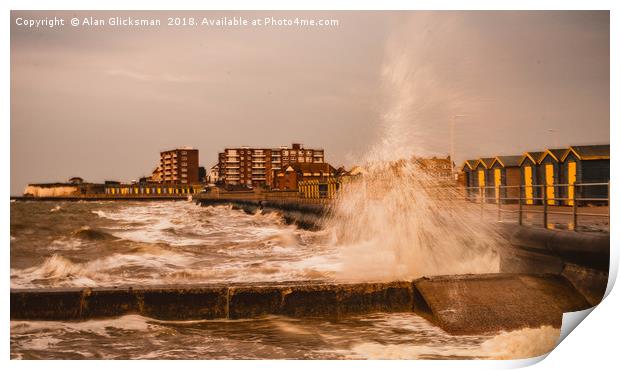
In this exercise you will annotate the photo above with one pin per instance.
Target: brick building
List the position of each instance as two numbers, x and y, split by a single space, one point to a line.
256 167
289 176
177 166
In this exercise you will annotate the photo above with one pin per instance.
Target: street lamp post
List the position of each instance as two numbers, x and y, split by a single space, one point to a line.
452 119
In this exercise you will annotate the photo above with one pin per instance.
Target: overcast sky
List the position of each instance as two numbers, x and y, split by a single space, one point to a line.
102 102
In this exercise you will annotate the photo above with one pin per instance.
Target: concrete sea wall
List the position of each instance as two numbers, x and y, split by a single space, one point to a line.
305 215
458 304
581 257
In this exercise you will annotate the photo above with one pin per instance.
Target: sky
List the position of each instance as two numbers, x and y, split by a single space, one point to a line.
102 102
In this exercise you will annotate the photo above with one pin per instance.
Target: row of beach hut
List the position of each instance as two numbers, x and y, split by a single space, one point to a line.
554 175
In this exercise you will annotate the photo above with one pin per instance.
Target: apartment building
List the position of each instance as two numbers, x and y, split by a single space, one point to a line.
256 167
177 166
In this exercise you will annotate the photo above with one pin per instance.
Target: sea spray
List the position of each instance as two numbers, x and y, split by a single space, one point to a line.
401 220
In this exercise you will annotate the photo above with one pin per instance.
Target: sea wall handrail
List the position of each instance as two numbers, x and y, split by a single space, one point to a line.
549 201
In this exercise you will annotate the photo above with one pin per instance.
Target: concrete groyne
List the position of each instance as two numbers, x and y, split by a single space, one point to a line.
212 301
465 304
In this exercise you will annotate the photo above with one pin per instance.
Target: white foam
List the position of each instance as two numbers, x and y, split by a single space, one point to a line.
127 322
520 344
99 272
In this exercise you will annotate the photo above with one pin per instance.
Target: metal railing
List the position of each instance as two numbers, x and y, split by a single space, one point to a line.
545 200
556 209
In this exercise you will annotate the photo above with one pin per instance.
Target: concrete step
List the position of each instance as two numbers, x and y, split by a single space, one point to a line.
472 304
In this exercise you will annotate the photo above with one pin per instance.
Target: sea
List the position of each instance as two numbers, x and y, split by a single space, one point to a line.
88 244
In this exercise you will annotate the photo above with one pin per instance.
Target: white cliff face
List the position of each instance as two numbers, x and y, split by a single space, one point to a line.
55 191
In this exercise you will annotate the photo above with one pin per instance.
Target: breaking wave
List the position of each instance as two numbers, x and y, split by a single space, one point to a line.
87 233
401 220
513 345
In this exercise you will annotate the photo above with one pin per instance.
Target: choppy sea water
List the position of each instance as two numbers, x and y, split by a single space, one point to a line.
372 336
56 244
108 244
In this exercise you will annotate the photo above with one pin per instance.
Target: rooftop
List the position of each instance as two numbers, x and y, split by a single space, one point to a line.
589 152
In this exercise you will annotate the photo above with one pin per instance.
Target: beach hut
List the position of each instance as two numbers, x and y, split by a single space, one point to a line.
530 176
506 172
482 179
468 174
583 165
549 165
